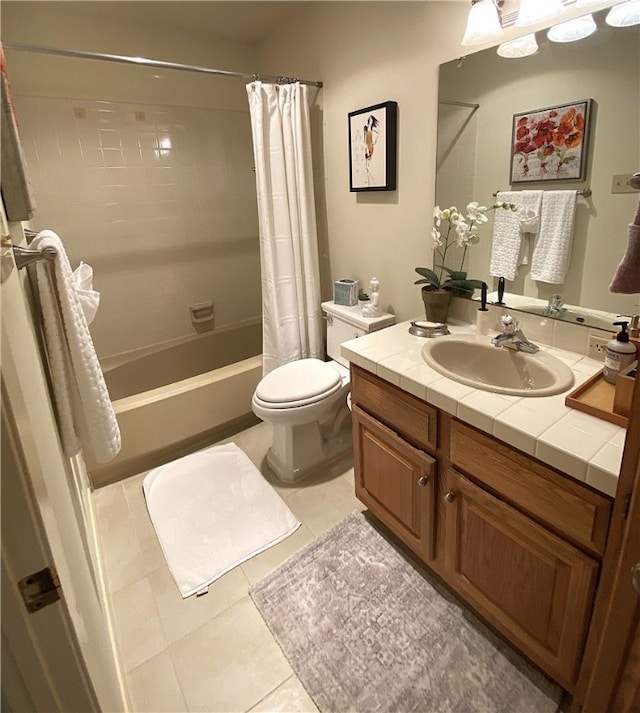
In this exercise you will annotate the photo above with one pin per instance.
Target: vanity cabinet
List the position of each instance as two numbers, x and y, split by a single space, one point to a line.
520 542
530 584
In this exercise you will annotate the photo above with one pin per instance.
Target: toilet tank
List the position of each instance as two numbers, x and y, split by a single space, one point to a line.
345 323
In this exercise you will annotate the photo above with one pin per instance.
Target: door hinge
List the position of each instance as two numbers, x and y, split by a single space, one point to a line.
40 589
627 503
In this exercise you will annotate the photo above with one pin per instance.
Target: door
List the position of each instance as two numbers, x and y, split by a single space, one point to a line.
610 679
63 655
396 482
529 583
47 672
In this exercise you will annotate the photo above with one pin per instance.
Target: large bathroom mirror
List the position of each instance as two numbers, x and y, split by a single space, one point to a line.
478 98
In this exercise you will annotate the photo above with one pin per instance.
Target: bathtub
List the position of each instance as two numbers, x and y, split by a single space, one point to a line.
171 400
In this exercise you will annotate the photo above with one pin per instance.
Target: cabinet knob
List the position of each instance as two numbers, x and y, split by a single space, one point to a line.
423 480
449 496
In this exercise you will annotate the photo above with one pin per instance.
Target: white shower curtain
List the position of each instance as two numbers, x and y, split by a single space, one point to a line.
291 314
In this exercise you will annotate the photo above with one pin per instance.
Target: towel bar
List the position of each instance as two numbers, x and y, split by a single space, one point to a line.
586 192
26 256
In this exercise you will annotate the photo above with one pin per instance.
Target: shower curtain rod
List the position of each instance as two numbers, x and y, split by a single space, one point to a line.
450 102
144 61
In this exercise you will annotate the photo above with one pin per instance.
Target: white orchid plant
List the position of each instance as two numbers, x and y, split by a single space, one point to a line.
452 228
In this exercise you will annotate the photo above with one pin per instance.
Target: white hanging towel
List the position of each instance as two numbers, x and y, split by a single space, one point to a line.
85 413
552 254
509 248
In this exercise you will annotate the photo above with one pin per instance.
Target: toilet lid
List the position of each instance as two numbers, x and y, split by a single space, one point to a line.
302 380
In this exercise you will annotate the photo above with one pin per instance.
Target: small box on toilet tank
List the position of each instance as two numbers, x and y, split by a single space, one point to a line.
345 292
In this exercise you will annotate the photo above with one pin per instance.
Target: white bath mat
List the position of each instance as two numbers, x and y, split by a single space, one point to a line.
212 510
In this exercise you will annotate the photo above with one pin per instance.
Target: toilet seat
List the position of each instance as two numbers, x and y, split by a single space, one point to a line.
298 383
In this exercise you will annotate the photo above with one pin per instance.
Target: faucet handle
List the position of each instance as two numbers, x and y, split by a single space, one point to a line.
509 324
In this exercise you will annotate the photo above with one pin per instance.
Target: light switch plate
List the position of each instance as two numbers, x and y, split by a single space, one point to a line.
620 184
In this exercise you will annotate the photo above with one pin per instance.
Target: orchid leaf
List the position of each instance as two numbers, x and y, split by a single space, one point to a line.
455 274
429 276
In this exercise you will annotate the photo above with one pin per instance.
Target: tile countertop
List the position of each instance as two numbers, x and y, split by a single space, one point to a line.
585 447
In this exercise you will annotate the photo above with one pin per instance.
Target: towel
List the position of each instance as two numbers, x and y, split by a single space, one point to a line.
85 413
552 254
626 279
88 298
509 248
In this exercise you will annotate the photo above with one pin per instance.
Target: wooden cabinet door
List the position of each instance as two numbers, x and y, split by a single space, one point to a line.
530 584
396 482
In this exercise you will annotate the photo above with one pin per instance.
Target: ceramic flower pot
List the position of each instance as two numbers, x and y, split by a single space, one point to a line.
436 304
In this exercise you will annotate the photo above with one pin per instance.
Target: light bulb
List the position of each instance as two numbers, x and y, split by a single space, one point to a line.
520 47
573 30
483 24
624 15
532 12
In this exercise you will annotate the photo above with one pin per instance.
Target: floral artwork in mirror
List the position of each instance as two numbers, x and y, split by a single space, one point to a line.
372 147
551 144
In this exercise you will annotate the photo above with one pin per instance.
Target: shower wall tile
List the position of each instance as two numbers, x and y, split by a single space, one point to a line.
159 200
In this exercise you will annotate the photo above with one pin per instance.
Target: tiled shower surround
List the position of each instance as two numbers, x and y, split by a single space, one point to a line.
159 200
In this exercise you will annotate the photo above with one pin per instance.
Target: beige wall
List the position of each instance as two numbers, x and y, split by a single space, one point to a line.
366 53
72 25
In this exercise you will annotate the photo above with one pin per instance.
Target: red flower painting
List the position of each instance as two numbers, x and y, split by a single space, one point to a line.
550 144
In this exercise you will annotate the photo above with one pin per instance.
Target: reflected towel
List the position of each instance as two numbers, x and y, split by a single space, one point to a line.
509 248
626 279
552 254
85 413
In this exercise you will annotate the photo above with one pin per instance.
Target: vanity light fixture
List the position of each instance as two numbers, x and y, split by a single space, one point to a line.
573 30
624 15
532 12
483 23
523 46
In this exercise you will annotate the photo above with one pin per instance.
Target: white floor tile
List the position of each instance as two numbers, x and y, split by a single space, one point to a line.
182 616
290 697
154 688
138 627
231 663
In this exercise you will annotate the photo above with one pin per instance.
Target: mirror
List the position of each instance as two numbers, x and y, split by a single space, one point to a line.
478 97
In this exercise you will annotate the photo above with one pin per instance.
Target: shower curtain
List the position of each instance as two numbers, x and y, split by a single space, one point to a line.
291 314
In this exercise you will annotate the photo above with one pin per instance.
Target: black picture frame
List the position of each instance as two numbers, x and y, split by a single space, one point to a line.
372 147
551 144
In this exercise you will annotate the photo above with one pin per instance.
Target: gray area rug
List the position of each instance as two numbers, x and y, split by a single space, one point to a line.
365 630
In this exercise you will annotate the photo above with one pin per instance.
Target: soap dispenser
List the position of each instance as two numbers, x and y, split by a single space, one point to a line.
618 354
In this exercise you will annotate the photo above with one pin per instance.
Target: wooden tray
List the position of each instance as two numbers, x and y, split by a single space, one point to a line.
595 397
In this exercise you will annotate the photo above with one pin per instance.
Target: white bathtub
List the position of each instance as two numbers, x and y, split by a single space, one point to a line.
179 397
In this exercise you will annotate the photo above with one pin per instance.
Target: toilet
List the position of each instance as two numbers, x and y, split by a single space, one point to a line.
306 400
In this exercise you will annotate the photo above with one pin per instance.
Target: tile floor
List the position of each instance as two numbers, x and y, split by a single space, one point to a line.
210 653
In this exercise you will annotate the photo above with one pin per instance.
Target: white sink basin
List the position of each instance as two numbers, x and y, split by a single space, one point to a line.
476 362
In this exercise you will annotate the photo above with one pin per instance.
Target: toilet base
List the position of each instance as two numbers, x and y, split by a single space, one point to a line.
298 450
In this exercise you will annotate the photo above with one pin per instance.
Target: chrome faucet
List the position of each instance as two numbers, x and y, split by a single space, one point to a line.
555 308
512 337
